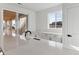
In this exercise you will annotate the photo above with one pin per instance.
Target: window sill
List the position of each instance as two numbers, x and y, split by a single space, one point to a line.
54 28
52 33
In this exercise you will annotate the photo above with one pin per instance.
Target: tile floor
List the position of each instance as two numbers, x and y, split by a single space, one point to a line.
36 47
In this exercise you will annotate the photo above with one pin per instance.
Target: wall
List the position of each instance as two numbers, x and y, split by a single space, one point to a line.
42 20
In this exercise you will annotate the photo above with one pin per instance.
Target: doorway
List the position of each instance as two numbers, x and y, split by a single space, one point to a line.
14 25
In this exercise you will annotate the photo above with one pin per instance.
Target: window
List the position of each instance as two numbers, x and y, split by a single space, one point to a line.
55 19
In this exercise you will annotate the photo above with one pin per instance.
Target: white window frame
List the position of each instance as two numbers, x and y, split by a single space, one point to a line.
55 20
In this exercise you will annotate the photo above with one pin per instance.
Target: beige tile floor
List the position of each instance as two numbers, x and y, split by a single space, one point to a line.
35 47
10 42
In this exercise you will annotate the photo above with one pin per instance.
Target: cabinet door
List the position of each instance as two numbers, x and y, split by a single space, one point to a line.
73 26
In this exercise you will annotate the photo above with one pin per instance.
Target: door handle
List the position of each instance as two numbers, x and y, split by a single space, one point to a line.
69 35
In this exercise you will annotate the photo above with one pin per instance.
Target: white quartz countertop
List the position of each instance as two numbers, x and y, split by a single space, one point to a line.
52 33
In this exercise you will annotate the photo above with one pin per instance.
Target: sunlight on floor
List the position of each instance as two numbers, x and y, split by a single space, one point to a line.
22 37
55 44
75 47
13 34
52 43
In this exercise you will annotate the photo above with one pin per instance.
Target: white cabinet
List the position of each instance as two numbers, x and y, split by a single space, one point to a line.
71 26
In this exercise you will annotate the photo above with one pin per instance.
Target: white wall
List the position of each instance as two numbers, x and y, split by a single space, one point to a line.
42 20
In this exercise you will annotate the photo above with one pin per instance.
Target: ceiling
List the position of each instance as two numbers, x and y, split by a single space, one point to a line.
38 6
9 15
